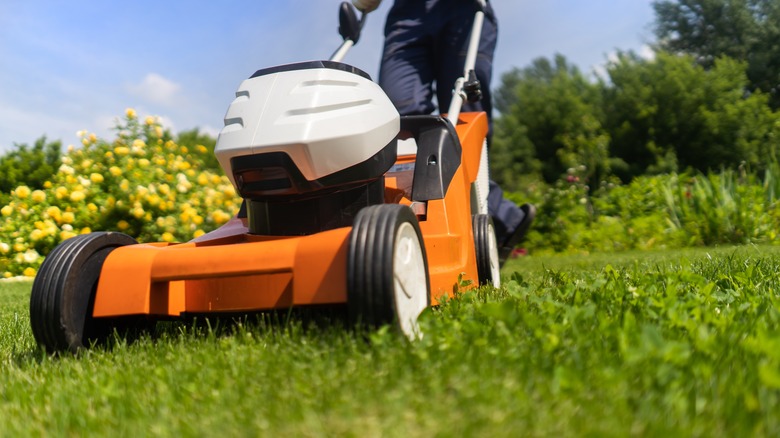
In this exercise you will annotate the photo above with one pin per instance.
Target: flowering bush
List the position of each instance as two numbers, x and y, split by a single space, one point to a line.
142 183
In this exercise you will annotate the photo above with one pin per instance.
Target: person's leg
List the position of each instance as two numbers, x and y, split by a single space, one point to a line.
406 74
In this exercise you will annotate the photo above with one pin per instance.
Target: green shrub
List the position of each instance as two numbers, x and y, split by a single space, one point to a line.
30 166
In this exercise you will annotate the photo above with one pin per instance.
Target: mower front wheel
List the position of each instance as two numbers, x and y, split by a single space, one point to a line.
387 269
63 292
488 265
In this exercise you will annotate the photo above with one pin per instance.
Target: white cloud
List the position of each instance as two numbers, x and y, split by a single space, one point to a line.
647 52
156 89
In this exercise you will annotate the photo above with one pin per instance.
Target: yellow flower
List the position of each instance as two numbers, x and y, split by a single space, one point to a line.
68 217
149 120
92 138
122 225
158 131
121 150
54 213
203 179
4 248
167 237
130 113
138 212
96 178
7 274
47 185
115 171
86 230
38 196
92 207
143 162
77 196
7 210
37 235
198 233
22 192
65 235
29 272
202 149
138 143
60 192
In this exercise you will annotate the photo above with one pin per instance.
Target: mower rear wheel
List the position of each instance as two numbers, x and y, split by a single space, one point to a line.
63 293
488 266
387 269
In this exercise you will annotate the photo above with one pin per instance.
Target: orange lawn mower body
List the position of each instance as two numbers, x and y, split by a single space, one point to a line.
247 272
345 203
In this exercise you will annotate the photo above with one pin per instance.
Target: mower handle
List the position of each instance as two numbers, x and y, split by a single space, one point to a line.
459 95
349 29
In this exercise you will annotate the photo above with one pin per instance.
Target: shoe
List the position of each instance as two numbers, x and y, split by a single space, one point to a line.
517 236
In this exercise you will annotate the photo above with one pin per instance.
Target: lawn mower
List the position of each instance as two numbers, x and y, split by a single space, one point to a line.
345 203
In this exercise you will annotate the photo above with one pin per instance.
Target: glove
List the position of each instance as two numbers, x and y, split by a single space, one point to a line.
366 6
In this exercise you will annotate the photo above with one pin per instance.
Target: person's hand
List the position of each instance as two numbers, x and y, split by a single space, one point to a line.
366 6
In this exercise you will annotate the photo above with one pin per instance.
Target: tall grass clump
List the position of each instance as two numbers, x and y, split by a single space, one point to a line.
655 212
726 207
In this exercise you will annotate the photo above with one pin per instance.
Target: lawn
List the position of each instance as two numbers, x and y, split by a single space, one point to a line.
678 343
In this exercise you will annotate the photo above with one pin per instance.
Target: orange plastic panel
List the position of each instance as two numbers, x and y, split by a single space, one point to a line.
472 129
239 276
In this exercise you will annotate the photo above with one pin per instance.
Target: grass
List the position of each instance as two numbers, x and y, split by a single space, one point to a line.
682 343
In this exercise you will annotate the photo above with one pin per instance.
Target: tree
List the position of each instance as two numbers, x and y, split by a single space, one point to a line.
746 30
670 112
30 166
550 121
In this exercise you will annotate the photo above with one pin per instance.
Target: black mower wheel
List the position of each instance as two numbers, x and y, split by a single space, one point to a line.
488 266
387 269
63 292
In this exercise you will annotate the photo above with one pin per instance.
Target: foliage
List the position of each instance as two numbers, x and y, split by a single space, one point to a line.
30 166
645 116
746 30
670 113
729 207
550 122
142 183
194 139
572 217
660 211
651 344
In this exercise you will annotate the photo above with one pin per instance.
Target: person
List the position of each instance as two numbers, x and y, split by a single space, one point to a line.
425 45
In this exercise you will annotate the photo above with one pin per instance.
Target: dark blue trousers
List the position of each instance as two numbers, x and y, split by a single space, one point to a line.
424 54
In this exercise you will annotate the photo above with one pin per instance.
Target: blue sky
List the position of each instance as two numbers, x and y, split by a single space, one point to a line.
76 65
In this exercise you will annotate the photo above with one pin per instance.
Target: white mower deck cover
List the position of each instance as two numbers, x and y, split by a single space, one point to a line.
325 119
